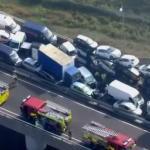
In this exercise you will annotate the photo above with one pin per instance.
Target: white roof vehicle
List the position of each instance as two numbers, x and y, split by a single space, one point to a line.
128 61
107 52
128 107
69 49
5 36
7 23
32 65
145 70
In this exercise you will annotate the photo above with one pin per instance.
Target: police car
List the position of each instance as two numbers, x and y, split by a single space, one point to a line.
107 52
128 61
32 65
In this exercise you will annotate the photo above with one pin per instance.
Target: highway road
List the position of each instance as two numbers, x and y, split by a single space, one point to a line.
81 114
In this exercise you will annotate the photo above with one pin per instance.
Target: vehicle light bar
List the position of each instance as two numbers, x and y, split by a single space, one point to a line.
26 98
129 140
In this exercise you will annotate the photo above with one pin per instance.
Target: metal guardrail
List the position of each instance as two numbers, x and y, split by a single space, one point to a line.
75 96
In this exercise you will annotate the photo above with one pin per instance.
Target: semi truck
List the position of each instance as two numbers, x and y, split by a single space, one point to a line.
57 63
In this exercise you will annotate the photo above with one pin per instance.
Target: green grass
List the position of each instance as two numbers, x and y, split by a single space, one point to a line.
98 19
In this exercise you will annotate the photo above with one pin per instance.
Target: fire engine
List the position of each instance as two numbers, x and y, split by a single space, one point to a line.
4 92
49 114
98 136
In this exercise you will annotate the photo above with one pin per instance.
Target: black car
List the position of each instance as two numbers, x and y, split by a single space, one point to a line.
84 43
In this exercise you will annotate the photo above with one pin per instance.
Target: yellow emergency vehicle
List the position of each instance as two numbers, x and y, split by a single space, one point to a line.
49 114
4 92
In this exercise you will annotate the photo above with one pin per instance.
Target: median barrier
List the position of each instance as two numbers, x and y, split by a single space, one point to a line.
75 96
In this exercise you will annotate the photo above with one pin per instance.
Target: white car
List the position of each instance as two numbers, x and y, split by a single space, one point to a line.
145 70
128 107
7 23
32 65
128 61
5 36
107 52
106 65
69 49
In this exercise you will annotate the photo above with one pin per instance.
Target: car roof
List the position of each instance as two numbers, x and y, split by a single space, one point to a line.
34 102
34 26
128 56
128 104
30 60
83 37
68 46
103 47
78 84
85 72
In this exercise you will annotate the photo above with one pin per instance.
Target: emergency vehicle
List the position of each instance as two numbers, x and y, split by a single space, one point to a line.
4 92
100 137
49 114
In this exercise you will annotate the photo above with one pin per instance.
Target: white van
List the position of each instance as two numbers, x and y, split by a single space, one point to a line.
17 40
7 23
69 49
120 91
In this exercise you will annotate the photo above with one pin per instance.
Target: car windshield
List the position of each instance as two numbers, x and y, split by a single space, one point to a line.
138 98
86 89
14 45
48 33
89 41
72 53
14 57
90 78
111 49
37 65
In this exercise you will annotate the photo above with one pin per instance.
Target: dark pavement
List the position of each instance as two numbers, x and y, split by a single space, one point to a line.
81 115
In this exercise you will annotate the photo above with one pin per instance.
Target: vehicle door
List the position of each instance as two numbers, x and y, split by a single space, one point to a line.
100 53
124 109
28 66
77 89
111 146
32 112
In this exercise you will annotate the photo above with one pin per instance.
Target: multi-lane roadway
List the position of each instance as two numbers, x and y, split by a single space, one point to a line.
81 114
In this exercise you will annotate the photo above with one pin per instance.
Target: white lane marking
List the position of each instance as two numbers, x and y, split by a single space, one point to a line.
78 103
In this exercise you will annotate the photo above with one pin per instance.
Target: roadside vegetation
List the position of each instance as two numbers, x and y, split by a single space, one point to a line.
98 19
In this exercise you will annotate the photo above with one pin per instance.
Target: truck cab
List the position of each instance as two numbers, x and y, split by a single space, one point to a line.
72 75
17 40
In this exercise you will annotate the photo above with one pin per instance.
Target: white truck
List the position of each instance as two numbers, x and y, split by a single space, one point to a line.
120 91
17 40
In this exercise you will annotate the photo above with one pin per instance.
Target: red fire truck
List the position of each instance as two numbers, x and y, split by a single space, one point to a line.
100 137
49 114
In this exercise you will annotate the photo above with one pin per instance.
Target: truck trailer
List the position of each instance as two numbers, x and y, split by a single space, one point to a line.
57 63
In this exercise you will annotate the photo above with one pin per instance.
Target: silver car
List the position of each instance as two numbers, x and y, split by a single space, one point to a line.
32 65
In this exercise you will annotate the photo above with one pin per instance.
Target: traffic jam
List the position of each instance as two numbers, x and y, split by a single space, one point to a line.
85 67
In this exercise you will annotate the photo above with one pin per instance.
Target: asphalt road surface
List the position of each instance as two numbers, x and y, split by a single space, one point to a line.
81 114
